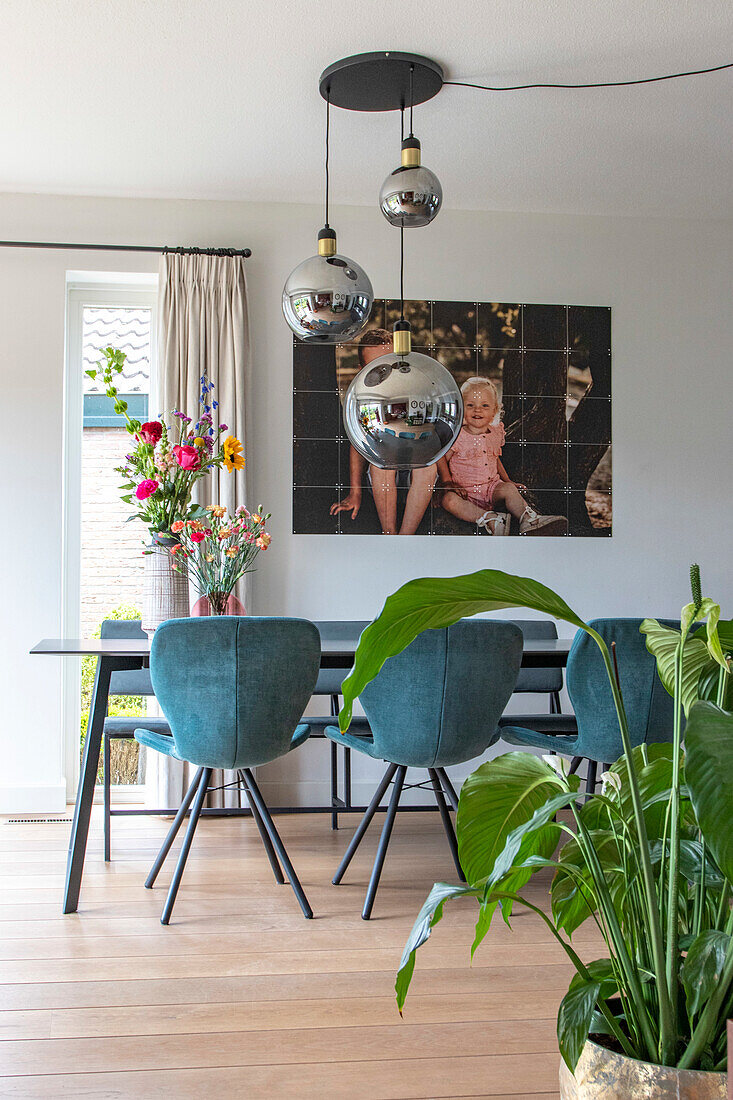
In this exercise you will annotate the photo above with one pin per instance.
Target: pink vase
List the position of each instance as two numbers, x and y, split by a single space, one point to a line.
203 607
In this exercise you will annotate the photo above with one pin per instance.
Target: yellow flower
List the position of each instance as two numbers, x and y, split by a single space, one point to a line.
232 552
217 510
233 455
198 441
225 532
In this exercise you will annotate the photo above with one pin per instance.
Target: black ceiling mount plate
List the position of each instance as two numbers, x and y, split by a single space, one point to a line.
380 81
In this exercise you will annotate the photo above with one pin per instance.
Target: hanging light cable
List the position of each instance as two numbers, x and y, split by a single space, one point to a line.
328 297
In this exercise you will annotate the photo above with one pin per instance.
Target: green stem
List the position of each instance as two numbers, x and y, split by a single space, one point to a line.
580 967
673 929
666 1015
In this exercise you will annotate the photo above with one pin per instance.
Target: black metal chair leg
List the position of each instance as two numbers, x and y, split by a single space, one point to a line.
261 829
334 785
172 832
575 764
364 823
590 778
384 842
555 706
347 778
448 788
447 823
186 846
278 845
334 766
106 750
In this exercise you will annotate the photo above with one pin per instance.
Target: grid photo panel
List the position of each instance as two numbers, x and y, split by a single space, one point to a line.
551 368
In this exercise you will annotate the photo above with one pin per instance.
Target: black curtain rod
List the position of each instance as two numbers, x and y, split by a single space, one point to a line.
246 252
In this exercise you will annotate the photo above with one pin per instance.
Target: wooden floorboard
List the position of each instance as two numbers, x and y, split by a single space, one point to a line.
241 996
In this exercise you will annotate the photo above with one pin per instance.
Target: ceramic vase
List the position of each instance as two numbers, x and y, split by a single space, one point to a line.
165 588
603 1074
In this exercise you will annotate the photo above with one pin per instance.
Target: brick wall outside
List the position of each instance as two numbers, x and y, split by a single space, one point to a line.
111 550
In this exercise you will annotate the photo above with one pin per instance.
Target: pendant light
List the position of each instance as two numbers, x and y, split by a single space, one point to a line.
411 196
403 410
328 298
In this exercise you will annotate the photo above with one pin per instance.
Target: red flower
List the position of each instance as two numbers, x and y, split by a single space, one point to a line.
197 536
187 457
150 432
146 488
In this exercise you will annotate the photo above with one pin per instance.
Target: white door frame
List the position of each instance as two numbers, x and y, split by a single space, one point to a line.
123 290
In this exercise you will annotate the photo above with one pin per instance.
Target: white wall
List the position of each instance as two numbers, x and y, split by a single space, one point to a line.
667 281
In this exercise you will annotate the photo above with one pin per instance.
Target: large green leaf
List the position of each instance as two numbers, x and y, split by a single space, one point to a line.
574 891
433 602
709 774
702 967
663 642
574 1017
427 918
499 797
523 840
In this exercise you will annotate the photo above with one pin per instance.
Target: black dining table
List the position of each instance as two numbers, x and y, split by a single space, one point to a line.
339 640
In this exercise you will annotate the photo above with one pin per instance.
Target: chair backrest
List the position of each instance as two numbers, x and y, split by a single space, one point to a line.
538 680
438 702
233 688
134 681
648 706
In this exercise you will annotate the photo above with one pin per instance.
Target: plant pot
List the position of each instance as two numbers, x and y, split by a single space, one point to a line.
604 1075
165 590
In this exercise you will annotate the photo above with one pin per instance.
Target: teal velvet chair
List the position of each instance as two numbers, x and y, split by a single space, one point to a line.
435 704
648 706
232 689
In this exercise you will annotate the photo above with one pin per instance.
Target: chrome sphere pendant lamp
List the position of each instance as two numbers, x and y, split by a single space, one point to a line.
403 410
328 298
411 196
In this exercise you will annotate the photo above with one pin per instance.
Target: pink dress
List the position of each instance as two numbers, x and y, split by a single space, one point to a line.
473 461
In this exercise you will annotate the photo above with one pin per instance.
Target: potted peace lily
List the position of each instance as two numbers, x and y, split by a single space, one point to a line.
649 858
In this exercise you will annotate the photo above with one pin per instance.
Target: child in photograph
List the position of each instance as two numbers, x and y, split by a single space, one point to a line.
475 481
373 345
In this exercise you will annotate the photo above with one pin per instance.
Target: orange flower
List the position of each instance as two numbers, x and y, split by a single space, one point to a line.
176 548
225 533
177 526
217 510
263 541
232 551
256 517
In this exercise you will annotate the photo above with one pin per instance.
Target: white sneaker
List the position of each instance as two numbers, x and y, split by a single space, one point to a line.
531 523
494 523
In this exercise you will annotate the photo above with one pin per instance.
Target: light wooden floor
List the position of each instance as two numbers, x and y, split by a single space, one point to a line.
242 997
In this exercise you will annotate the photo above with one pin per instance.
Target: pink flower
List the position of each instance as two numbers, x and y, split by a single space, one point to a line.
150 432
187 457
146 488
197 536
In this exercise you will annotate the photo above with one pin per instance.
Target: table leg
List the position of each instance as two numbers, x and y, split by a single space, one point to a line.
87 780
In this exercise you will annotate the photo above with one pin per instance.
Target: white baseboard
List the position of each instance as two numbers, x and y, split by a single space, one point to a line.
50 799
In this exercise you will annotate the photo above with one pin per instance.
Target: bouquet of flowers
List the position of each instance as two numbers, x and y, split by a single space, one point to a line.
166 461
217 551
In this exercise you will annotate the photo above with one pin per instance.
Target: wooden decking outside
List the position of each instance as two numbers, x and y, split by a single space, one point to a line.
242 997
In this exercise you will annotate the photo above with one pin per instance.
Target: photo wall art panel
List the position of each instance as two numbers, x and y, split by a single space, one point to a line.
536 384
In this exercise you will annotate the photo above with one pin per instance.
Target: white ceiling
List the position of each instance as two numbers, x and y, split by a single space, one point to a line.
218 99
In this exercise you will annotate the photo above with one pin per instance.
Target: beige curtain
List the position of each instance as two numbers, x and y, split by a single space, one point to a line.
202 331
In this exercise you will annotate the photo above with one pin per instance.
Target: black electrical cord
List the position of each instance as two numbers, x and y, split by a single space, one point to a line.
402 273
412 70
599 84
328 128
